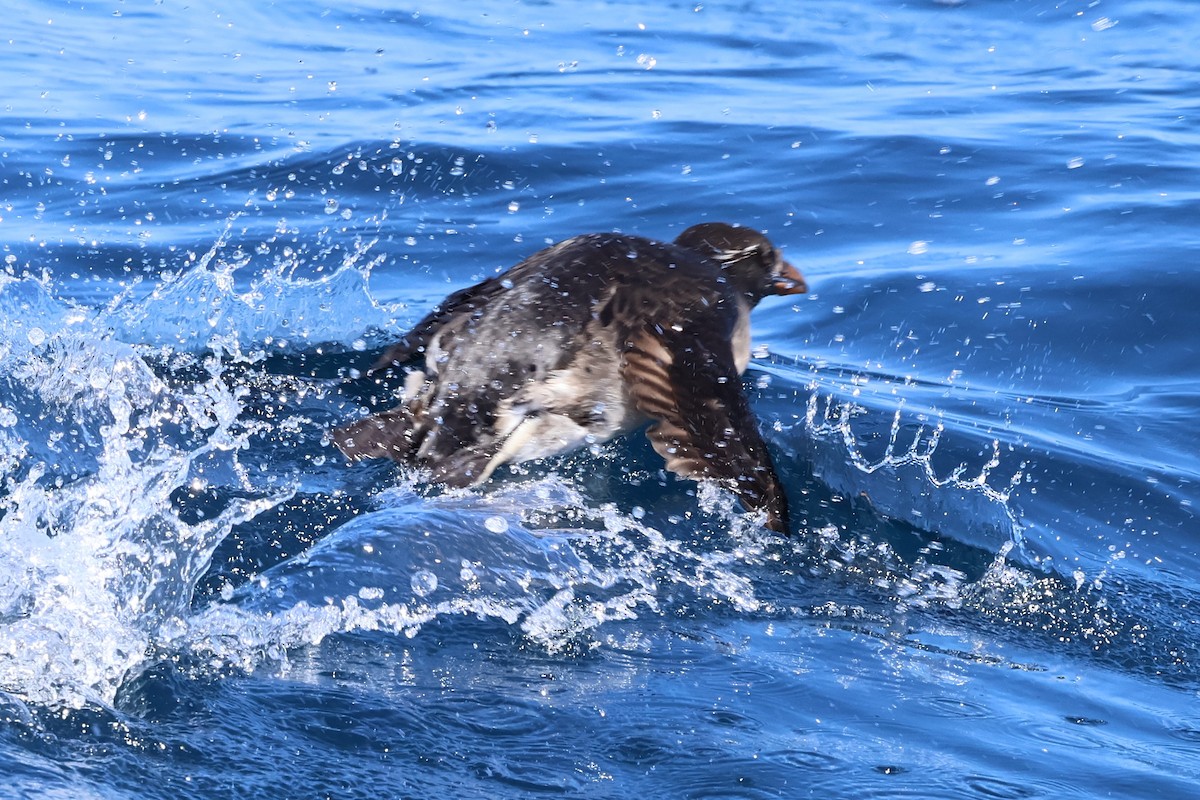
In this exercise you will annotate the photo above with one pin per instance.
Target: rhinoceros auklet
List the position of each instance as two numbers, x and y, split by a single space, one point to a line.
585 340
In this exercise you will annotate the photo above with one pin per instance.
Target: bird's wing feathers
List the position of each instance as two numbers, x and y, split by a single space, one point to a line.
684 378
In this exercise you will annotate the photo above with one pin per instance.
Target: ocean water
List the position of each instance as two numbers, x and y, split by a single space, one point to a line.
213 215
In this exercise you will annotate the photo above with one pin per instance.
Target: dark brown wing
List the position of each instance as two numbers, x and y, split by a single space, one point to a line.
687 382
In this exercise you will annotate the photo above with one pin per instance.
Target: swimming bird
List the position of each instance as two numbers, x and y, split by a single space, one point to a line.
585 340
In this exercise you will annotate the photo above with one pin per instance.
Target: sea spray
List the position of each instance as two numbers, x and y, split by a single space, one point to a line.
95 561
903 482
257 303
98 439
560 571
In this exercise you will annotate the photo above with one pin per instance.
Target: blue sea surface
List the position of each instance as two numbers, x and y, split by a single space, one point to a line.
214 214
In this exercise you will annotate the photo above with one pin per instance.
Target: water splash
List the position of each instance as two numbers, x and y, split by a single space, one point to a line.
562 573
97 564
903 482
93 568
98 560
256 302
1013 592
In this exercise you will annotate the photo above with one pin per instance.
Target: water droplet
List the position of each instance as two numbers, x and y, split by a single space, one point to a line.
918 248
37 336
496 524
1075 163
423 583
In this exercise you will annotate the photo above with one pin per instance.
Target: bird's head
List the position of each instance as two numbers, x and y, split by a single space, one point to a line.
752 264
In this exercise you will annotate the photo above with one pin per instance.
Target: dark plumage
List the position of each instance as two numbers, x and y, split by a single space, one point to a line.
584 340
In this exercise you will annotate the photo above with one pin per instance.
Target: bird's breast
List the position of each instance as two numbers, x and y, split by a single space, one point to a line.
740 341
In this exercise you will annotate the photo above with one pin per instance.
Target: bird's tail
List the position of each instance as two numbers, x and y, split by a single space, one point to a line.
388 434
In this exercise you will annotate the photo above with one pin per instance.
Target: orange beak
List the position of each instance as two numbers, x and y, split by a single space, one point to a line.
790 281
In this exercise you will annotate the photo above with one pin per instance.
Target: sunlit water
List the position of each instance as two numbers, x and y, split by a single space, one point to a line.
212 215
